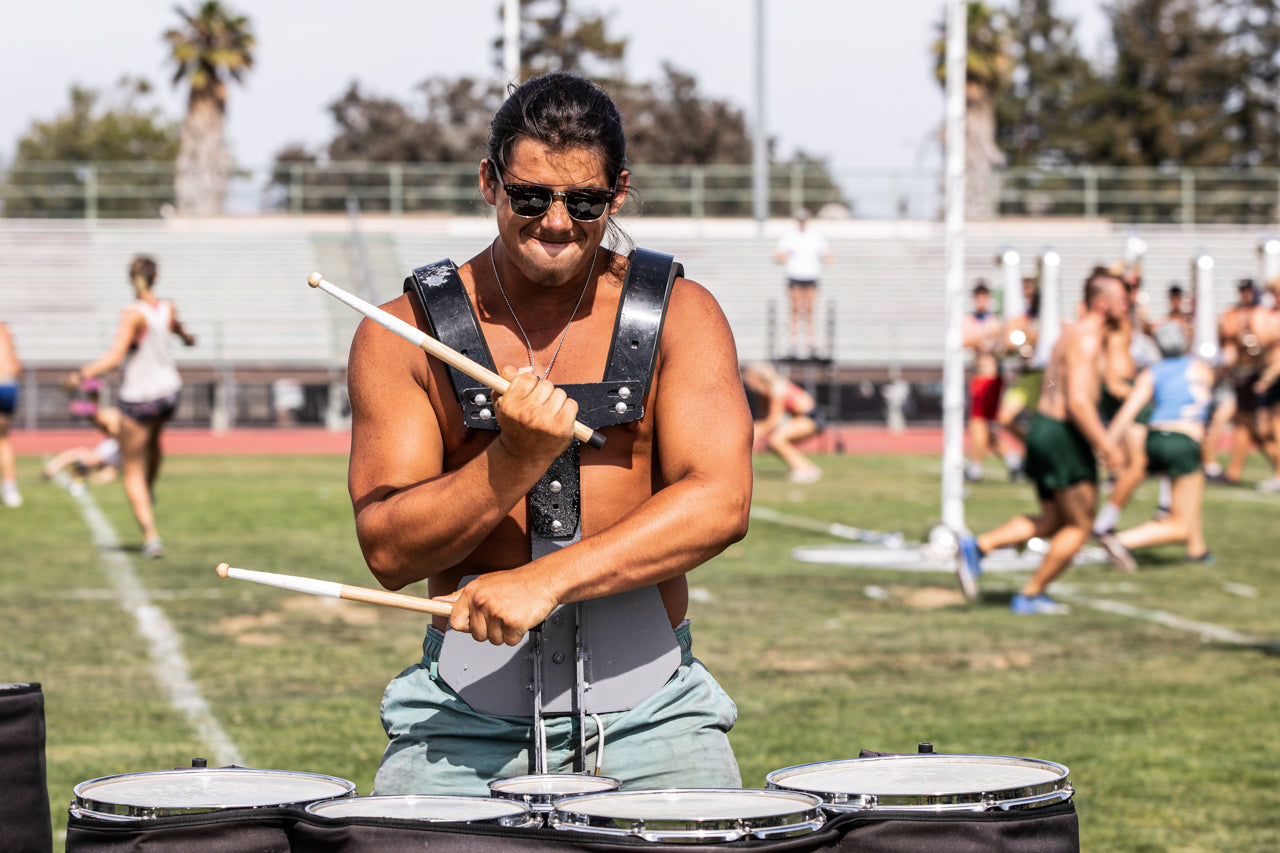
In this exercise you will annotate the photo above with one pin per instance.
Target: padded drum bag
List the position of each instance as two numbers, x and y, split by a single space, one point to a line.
223 831
25 826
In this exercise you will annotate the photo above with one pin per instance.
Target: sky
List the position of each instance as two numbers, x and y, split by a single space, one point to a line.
847 80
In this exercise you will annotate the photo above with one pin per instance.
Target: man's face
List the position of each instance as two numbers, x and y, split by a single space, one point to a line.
982 301
554 249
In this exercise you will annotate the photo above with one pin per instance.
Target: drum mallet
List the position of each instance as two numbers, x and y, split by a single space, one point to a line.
332 589
431 346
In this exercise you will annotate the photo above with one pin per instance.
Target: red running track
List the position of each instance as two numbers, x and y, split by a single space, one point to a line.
857 439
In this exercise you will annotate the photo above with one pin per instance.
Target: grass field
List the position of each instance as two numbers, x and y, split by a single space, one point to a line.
1172 738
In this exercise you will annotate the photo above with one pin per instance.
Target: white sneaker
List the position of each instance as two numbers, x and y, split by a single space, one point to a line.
806 475
10 495
153 549
1270 486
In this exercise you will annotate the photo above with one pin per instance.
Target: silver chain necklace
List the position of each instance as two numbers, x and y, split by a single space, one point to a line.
528 343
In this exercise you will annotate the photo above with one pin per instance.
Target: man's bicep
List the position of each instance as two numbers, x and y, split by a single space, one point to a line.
395 436
703 420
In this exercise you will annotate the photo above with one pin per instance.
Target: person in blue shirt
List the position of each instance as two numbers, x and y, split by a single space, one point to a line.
1180 387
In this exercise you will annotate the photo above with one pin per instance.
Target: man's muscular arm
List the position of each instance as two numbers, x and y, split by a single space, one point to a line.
1082 395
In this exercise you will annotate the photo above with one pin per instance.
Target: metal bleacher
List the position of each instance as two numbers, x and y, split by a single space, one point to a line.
240 283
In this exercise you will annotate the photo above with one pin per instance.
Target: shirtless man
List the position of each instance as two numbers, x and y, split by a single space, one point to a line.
519 528
1062 440
1244 355
984 336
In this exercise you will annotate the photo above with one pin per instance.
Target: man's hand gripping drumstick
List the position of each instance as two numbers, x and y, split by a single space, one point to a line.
333 589
431 346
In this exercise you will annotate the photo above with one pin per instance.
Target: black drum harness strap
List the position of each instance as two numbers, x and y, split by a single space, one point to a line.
621 647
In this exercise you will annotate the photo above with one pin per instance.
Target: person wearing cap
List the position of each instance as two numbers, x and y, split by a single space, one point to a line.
804 252
1179 387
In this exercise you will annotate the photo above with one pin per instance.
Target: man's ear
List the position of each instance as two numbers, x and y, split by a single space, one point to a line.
488 184
624 184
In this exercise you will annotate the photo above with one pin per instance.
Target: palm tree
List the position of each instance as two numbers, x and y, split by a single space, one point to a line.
989 70
212 46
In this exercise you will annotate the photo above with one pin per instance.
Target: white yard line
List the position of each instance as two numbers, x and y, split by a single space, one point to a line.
1206 630
163 644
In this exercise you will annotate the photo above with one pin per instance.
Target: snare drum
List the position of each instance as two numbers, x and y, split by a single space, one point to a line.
431 808
164 793
691 814
540 790
929 782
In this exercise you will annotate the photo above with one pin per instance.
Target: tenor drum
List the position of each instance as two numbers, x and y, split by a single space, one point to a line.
929 782
539 791
164 793
430 809
691 815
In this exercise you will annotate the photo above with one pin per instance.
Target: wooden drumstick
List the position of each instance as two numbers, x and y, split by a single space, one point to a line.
333 589
431 346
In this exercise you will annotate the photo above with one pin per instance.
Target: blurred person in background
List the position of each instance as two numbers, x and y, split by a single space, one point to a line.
791 416
98 463
984 337
149 391
10 373
1178 388
804 252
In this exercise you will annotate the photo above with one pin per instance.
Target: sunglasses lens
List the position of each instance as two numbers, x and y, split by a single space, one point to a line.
584 207
529 201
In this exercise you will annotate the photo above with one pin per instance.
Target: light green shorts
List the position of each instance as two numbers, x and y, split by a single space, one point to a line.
677 738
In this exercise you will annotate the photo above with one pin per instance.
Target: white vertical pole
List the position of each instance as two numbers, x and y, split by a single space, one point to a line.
1205 329
1012 303
953 355
511 40
1050 319
760 133
1269 258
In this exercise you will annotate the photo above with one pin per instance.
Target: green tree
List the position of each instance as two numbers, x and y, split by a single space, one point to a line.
555 37
103 142
1254 36
1037 115
212 46
1172 90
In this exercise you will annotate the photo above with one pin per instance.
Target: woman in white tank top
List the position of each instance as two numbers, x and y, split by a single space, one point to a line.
148 393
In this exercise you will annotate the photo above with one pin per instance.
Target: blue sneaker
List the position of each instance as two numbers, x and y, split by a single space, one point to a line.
1037 605
968 565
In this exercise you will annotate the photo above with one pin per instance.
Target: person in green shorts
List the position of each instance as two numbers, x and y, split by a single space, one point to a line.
1064 437
1179 388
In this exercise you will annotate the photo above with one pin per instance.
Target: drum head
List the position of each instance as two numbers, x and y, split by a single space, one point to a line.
691 814
202 789
929 782
431 808
542 789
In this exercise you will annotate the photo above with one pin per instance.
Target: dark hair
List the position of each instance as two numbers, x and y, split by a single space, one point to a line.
1175 290
981 287
142 272
562 111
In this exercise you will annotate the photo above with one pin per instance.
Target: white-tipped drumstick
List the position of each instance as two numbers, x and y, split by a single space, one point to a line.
333 589
431 346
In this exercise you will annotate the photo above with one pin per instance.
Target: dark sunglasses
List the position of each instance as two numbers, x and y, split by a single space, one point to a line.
533 200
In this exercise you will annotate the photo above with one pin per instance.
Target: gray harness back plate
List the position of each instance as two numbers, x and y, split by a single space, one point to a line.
627 647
